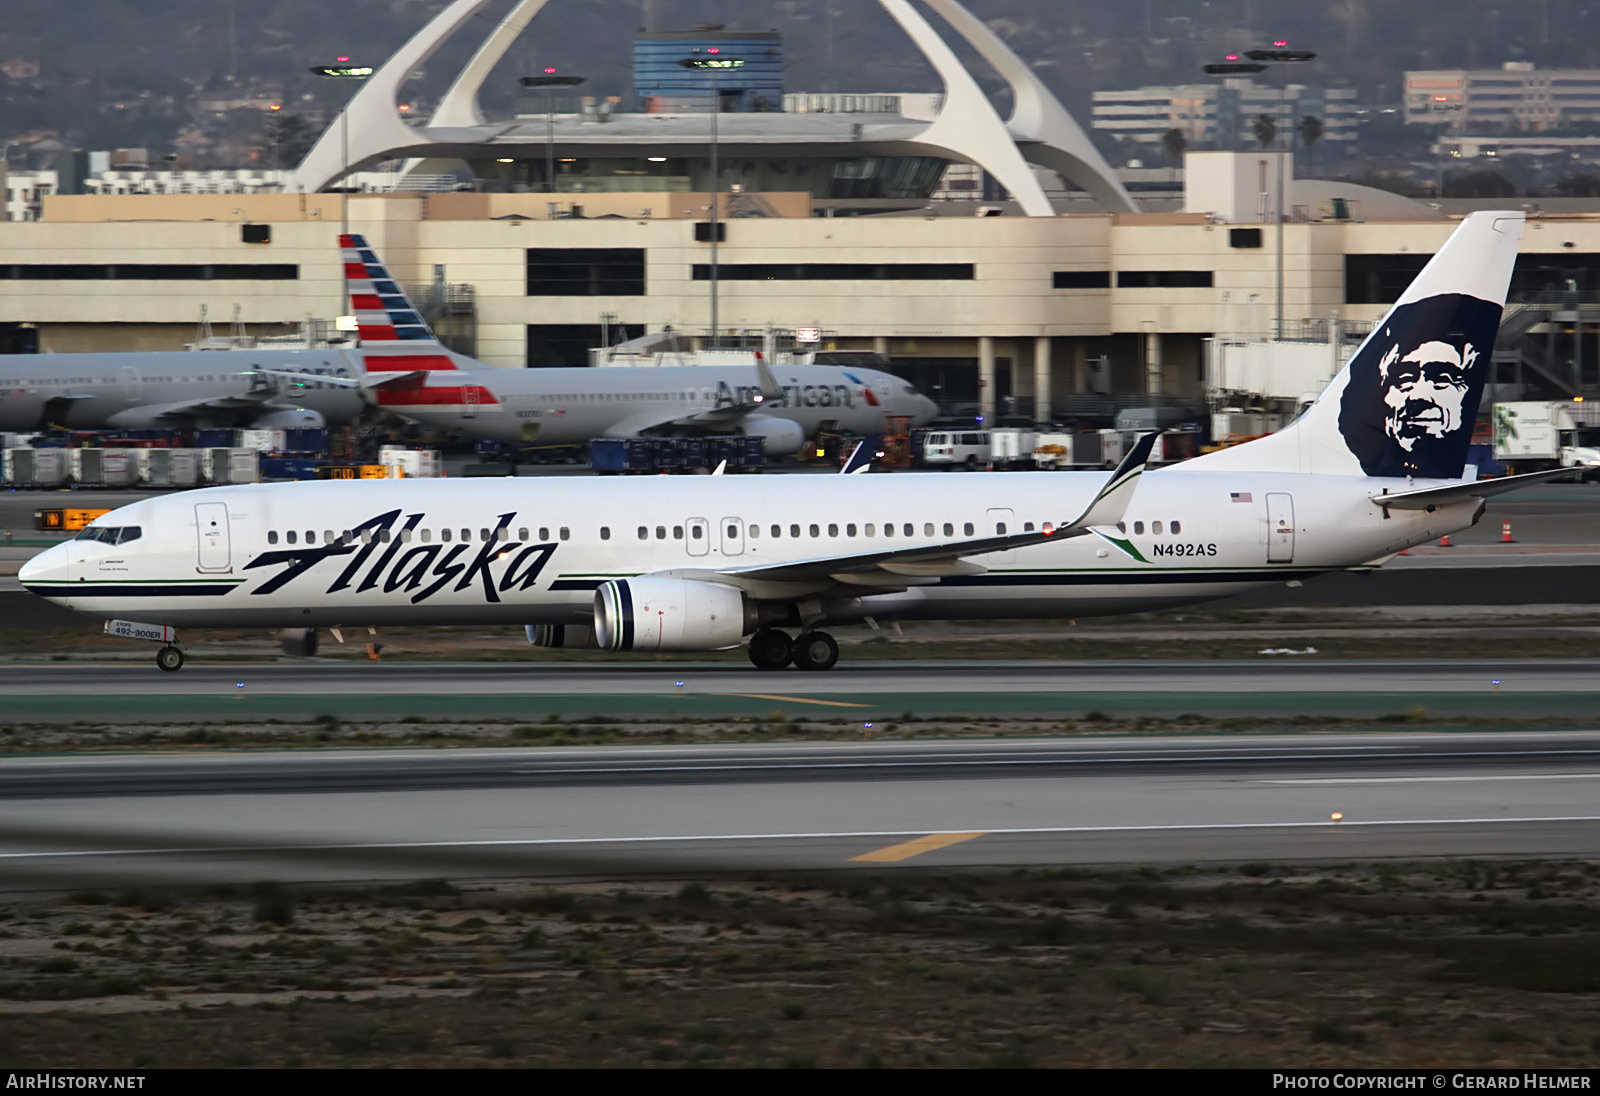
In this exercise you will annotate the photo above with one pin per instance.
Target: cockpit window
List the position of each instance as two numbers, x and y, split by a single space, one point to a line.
118 534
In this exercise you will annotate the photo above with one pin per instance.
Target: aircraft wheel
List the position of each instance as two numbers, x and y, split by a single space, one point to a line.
816 651
771 649
169 659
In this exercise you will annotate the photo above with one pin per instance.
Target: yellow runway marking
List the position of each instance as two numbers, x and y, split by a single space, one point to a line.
798 700
908 849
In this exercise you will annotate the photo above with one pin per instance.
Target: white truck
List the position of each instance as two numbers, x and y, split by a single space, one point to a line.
1530 436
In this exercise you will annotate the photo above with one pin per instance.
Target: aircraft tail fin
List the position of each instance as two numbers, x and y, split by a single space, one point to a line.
1405 403
383 312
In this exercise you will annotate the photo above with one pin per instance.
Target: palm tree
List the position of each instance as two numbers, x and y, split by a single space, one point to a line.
1265 129
1174 144
1311 133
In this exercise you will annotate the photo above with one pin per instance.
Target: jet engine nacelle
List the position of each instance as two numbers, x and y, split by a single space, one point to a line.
668 614
291 418
779 437
566 637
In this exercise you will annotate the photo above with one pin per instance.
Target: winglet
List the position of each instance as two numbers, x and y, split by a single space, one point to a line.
861 456
770 389
1112 501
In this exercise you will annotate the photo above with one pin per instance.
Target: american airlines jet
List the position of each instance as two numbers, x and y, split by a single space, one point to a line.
784 405
1375 465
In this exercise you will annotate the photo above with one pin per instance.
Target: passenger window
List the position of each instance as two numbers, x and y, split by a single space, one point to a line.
311 536
544 532
566 534
644 532
405 536
733 532
605 532
1138 528
888 528
697 532
967 529
677 532
777 530
910 530
794 530
871 530
999 528
386 536
1027 527
291 536
661 532
1176 528
849 530
1155 527
815 531
927 529
427 535
949 529
272 537
366 536
1049 528
833 530
444 535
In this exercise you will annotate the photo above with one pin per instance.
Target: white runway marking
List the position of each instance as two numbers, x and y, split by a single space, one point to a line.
1433 779
372 846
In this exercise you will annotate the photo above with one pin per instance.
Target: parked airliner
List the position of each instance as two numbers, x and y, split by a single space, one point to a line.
402 366
1375 465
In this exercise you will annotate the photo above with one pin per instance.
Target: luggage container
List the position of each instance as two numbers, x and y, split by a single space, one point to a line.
288 468
411 463
170 467
1011 448
615 455
264 441
230 465
36 467
103 467
305 439
216 439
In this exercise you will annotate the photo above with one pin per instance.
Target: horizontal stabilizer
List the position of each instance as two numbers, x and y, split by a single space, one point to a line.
1429 498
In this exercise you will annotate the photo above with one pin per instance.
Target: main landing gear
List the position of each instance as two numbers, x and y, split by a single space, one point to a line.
169 659
771 649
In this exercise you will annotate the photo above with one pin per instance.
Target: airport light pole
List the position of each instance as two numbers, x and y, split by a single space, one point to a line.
1257 61
343 70
548 82
714 64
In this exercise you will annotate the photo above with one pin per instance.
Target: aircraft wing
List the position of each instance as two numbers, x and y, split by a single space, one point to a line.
718 419
389 382
1428 498
895 567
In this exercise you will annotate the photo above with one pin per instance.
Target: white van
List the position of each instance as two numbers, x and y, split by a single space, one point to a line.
969 449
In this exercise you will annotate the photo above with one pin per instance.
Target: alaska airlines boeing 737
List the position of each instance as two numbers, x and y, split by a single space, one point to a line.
1375 465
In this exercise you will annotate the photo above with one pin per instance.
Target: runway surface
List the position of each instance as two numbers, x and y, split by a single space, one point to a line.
621 811
1281 685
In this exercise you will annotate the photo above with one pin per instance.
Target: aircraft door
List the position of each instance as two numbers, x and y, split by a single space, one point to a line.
215 541
469 401
697 536
132 383
1280 528
732 530
1000 523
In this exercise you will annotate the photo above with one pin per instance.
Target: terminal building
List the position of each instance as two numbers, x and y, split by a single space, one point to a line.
1220 115
1059 299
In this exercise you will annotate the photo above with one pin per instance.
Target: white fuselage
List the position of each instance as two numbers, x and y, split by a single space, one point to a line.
570 406
532 551
179 389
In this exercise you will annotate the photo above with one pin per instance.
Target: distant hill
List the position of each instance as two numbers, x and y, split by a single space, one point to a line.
114 73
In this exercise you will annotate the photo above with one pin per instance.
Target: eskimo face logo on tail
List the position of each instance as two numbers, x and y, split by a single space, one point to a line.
1414 388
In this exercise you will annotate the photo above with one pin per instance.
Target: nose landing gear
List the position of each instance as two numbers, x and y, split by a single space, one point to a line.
169 659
